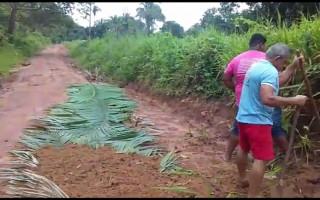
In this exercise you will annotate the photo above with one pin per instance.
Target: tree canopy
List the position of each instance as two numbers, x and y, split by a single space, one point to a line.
53 19
174 28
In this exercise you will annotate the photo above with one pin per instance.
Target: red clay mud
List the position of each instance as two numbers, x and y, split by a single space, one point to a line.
32 89
83 172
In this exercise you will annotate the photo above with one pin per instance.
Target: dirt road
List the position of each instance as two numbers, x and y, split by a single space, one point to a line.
197 130
32 89
192 128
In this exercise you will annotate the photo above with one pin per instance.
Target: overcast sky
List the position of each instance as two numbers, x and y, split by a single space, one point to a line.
186 14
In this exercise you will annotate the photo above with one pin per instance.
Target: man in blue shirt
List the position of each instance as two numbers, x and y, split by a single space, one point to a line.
237 69
257 102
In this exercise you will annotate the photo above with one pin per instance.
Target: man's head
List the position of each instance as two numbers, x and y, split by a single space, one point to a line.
257 42
278 54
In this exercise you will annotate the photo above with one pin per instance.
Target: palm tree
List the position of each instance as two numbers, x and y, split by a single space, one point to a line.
151 13
116 23
94 11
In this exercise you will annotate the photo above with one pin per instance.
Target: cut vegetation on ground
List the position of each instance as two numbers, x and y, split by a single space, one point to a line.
93 116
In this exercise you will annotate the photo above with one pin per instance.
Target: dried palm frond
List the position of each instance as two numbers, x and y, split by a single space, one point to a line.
169 164
25 157
25 183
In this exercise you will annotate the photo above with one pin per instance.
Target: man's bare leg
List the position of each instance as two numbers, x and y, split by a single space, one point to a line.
255 178
282 142
232 144
242 163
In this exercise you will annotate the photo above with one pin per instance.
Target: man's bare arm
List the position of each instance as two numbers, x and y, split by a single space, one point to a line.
285 76
228 82
269 99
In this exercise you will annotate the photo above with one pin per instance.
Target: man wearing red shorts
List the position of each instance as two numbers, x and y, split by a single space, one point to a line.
237 69
257 102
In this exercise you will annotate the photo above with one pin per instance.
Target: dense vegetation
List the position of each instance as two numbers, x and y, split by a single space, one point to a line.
172 61
25 28
22 46
192 63
175 62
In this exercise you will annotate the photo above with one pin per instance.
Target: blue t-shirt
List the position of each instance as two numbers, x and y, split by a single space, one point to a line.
251 109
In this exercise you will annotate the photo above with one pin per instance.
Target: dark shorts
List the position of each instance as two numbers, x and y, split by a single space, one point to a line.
276 130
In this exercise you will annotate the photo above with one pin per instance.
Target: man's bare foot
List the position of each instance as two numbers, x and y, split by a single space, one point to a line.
227 157
243 183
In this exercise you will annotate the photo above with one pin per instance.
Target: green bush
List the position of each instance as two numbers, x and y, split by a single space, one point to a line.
9 56
30 43
192 65
18 47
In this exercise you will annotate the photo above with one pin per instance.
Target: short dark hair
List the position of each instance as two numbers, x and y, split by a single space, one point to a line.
256 39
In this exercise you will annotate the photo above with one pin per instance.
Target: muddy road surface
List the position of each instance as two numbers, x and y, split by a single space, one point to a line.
197 130
30 90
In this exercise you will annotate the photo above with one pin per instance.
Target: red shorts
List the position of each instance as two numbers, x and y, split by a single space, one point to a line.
258 139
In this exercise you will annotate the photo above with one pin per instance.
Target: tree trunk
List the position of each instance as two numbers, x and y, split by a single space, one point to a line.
149 24
1 38
90 21
92 32
12 19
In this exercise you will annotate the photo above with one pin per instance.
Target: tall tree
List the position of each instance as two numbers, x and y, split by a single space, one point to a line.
101 27
15 8
94 12
151 13
194 30
288 11
211 17
119 25
116 24
86 10
173 27
221 18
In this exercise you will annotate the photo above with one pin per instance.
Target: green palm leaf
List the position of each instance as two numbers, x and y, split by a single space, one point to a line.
93 116
169 164
170 161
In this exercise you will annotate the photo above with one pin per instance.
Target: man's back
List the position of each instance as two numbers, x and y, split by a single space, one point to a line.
251 109
239 65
